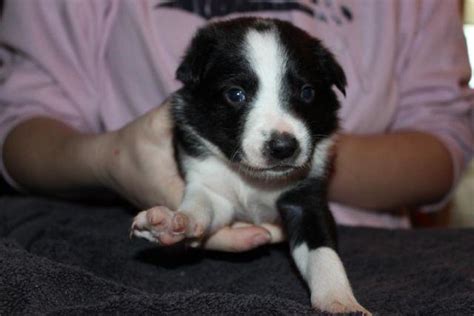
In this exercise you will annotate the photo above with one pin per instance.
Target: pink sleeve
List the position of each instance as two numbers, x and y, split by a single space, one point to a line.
435 97
50 63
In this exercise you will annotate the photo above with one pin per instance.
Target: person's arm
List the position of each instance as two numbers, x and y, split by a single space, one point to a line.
431 138
390 171
47 156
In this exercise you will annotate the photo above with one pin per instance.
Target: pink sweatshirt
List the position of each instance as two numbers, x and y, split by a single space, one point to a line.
97 65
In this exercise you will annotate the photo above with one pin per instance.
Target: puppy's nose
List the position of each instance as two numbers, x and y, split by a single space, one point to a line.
281 146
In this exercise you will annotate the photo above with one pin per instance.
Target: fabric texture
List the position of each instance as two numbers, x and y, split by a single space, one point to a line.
97 65
69 259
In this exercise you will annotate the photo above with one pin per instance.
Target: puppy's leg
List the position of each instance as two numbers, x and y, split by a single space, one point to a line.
205 210
313 241
202 212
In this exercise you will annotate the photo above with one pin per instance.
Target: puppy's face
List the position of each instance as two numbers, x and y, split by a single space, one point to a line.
259 93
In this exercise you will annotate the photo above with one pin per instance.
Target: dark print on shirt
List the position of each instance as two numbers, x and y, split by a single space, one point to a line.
323 10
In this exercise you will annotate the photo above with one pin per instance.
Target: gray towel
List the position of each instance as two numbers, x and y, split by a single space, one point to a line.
65 258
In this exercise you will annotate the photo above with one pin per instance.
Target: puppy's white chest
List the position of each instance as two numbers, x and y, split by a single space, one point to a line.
257 205
247 202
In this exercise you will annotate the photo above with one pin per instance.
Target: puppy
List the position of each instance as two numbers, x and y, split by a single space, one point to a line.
254 124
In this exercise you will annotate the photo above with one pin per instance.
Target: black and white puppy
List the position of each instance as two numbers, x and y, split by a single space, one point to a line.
255 121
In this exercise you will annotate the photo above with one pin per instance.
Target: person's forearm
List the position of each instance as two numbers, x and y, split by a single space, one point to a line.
47 156
386 172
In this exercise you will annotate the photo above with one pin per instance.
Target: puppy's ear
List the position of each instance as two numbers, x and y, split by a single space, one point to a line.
331 69
196 59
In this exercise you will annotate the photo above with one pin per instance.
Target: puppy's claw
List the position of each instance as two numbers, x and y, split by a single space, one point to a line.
195 244
340 308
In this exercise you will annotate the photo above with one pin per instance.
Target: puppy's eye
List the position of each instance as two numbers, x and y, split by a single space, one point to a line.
235 96
307 93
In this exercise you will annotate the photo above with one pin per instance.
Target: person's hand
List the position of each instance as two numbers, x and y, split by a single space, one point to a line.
243 236
139 164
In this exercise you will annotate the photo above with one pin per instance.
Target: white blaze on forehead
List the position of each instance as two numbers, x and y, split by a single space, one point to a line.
267 58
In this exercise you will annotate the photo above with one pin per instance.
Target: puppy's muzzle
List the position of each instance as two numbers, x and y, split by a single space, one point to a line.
281 147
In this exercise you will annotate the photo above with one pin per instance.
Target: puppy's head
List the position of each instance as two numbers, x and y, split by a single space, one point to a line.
258 92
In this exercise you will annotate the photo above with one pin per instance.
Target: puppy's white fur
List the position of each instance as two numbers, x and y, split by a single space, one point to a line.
323 270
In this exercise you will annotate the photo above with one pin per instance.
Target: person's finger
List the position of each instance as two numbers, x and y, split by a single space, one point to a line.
275 230
238 238
241 224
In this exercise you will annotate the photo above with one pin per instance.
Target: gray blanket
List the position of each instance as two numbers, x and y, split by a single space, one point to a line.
64 258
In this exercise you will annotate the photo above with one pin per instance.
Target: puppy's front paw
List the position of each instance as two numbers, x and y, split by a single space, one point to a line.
161 225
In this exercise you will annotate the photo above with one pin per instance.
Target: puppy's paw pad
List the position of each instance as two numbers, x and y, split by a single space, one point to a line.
179 223
158 225
158 217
